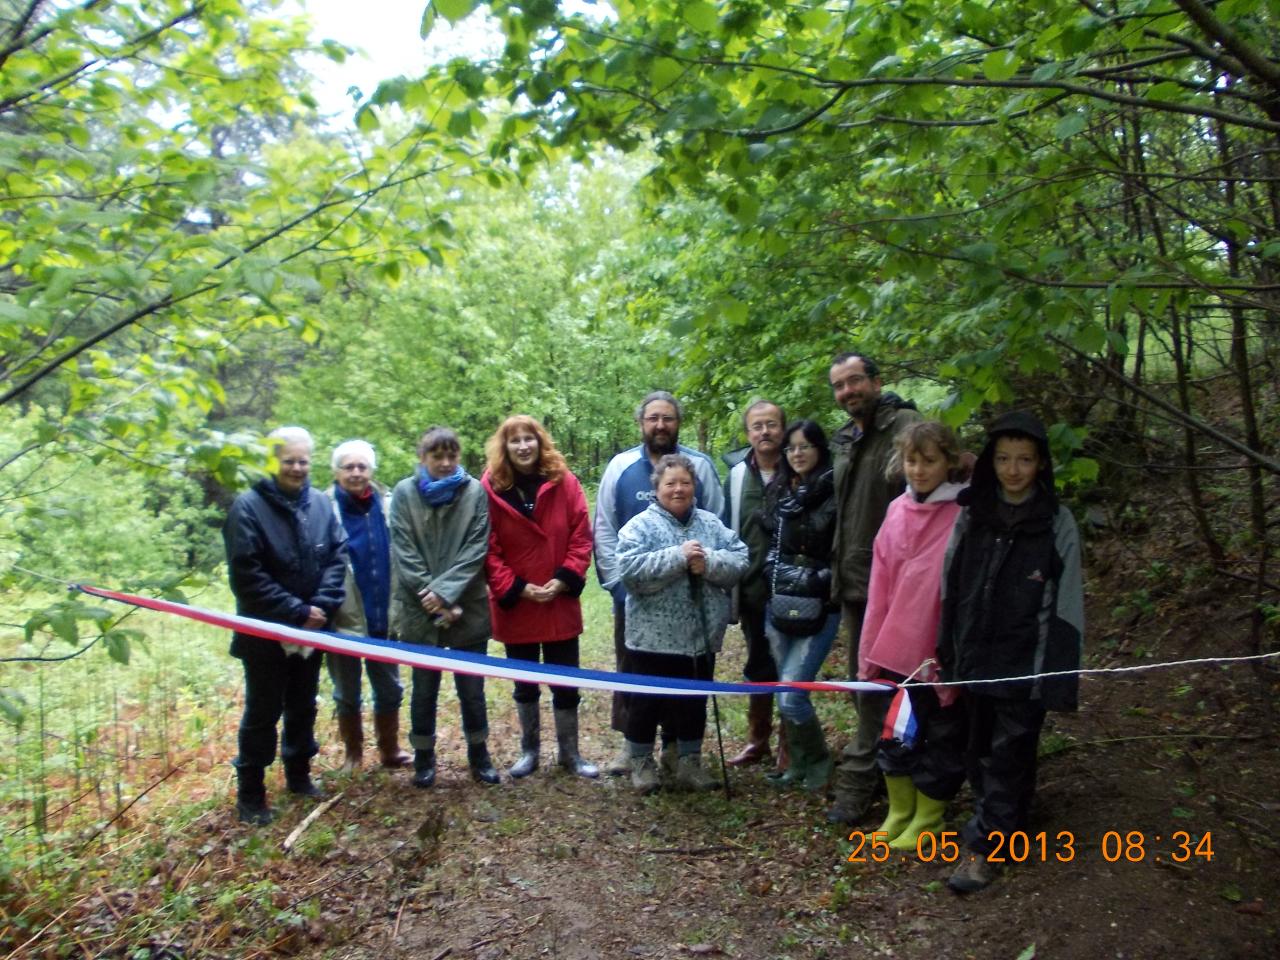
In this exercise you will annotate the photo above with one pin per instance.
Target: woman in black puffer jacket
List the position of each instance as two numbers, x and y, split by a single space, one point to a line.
801 622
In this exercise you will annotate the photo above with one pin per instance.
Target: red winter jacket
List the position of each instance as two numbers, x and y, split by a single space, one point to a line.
554 543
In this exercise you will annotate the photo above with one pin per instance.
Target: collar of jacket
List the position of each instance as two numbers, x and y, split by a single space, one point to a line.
664 512
808 495
887 404
270 491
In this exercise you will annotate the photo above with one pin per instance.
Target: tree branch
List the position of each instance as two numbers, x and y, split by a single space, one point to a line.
1186 419
165 302
1258 65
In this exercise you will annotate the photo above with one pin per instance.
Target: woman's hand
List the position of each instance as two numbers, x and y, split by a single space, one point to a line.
545 593
535 593
695 557
430 601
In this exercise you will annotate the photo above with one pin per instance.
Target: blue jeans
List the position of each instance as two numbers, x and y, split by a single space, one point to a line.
799 658
384 682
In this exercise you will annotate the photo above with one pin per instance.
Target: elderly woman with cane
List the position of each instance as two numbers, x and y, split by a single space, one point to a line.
678 564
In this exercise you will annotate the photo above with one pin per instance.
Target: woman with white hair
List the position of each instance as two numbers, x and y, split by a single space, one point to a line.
359 504
286 560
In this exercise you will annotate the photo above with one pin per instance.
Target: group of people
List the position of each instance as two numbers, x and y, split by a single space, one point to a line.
936 574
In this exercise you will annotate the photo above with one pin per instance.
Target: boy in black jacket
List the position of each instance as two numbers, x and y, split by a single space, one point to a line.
1012 606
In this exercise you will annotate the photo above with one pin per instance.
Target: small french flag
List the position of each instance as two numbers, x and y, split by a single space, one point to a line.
900 721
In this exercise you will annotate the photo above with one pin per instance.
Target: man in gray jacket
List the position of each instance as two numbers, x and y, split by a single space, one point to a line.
750 471
862 449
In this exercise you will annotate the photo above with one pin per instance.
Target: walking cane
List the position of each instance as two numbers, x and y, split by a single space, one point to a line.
695 591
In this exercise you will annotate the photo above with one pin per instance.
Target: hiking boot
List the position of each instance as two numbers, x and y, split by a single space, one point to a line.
855 797
977 874
692 775
644 774
621 763
669 760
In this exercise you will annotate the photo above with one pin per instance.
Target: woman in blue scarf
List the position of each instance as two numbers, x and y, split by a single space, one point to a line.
439 538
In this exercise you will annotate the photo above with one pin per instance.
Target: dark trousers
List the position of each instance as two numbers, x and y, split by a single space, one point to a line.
561 653
759 667
857 777
623 664
618 711
936 764
684 717
279 687
426 692
1004 736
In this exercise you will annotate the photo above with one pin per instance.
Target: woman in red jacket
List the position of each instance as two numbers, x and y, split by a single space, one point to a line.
539 550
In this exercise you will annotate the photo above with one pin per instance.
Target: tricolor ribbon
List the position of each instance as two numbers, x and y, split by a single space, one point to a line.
457 661
900 721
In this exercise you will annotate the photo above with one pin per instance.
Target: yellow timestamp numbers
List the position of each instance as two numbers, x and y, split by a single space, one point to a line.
1130 846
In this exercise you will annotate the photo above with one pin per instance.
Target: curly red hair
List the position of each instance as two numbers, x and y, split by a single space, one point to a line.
551 462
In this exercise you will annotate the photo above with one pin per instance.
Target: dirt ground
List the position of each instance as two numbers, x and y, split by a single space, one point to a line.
1159 766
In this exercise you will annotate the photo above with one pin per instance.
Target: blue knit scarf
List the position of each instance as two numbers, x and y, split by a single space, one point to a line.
439 492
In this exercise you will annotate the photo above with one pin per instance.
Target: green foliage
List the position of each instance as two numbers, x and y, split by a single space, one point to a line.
987 194
531 317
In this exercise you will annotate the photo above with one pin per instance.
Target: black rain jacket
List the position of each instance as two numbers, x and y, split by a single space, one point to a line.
1013 595
284 555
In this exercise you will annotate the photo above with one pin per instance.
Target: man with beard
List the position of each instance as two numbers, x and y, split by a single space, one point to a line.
862 449
750 471
626 489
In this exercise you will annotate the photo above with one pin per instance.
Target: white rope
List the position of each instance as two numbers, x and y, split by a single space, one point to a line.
1089 670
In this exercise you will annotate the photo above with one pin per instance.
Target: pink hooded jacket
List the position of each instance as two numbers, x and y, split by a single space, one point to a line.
904 599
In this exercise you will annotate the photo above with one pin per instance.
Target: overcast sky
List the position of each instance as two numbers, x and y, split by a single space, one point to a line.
387 33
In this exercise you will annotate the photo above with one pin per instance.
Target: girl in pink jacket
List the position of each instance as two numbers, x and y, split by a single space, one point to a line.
900 631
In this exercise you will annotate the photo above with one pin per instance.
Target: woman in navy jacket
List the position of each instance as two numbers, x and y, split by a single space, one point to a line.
286 560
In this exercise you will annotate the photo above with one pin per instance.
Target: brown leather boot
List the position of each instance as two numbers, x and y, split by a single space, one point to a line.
351 734
759 727
784 750
386 726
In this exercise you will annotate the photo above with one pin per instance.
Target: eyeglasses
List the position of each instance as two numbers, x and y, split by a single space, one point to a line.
655 418
350 467
295 462
801 448
852 380
762 425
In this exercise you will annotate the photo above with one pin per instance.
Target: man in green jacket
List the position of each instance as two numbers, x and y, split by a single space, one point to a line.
862 449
